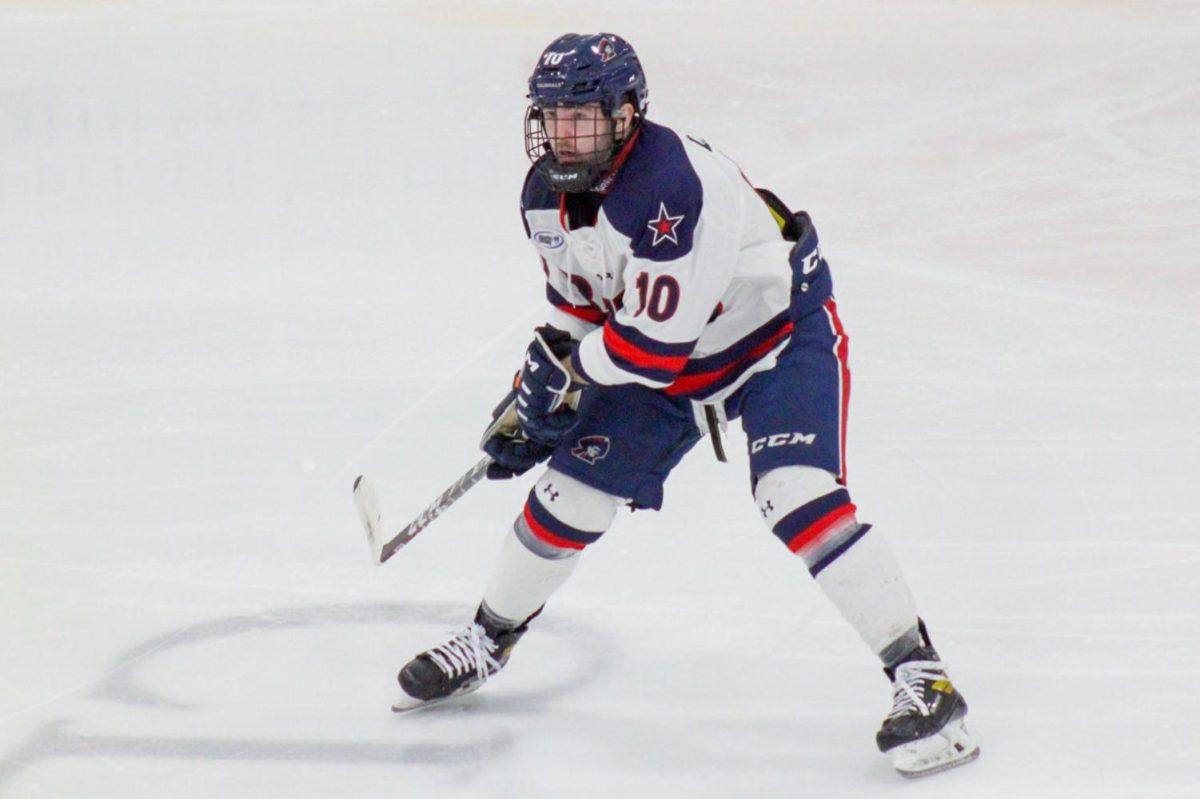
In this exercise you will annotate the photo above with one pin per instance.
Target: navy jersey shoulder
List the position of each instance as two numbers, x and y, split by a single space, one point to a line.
536 195
657 197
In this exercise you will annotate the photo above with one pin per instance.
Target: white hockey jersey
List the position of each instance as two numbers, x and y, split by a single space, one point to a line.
682 278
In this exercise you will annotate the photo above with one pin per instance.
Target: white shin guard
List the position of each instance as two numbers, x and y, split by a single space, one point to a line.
522 581
868 588
543 545
812 514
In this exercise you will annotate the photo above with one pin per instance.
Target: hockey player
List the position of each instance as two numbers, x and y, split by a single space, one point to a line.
681 297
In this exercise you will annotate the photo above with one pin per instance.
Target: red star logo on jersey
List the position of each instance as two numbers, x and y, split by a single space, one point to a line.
664 226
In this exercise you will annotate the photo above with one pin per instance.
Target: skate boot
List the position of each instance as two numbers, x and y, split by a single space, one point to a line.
460 665
925 732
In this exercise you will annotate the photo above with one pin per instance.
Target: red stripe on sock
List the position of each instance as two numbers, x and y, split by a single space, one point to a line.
822 526
540 532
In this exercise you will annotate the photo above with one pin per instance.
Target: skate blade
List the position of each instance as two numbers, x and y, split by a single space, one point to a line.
950 747
408 704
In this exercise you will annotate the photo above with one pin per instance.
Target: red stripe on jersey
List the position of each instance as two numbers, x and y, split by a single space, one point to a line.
543 534
616 344
822 526
593 315
686 384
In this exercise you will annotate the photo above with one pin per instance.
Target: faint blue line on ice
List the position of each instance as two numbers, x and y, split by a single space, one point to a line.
1052 544
924 120
179 580
1082 575
75 688
440 385
24 766
1165 639
926 268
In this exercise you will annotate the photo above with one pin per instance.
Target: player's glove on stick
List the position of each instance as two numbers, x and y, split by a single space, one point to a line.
511 452
513 455
504 440
542 409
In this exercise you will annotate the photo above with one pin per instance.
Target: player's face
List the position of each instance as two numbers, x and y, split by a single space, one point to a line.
578 133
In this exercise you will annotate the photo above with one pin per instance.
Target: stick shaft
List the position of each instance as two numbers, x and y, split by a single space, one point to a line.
448 497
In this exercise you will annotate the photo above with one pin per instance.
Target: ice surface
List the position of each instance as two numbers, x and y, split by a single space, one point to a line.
250 250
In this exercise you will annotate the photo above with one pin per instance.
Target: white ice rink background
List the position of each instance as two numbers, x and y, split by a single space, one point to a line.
249 250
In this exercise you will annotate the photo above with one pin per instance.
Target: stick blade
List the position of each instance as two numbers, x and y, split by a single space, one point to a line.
371 515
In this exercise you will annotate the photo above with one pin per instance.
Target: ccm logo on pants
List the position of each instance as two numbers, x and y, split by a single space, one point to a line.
782 440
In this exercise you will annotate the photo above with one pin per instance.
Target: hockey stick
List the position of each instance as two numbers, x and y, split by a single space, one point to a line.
504 422
367 502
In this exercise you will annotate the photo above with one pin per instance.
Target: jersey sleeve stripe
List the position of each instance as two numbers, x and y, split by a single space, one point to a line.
588 313
604 367
742 347
592 315
651 345
660 378
714 372
646 356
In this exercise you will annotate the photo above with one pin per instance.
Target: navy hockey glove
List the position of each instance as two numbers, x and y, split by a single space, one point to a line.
545 383
513 455
512 452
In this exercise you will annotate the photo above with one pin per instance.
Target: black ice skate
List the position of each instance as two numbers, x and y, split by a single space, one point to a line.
925 732
460 665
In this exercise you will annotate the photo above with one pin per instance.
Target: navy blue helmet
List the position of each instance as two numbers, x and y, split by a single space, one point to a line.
574 148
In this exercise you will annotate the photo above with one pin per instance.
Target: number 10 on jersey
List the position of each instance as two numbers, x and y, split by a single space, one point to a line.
660 300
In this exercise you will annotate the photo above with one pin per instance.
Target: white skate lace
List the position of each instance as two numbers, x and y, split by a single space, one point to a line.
906 686
470 649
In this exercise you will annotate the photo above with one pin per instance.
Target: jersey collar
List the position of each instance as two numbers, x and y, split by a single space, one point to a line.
605 183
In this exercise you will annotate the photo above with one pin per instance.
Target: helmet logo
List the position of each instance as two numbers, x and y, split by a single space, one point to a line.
605 49
554 59
590 449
